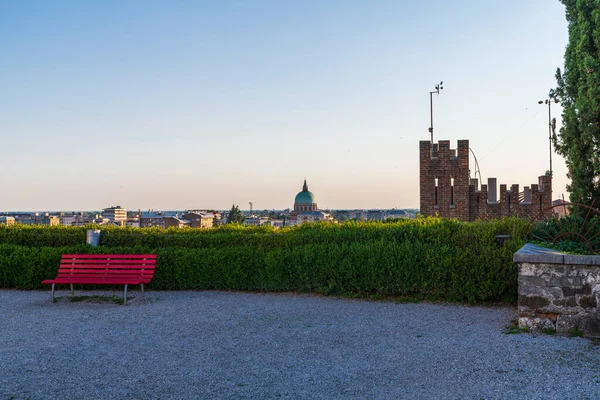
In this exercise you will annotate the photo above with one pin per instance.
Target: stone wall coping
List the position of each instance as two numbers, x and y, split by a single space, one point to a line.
582 260
531 253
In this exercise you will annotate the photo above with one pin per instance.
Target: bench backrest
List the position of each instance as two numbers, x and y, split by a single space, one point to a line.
108 267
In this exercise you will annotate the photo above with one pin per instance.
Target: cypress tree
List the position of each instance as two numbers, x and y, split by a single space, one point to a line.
578 90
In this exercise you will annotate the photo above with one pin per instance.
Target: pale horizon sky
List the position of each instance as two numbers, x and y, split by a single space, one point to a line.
200 105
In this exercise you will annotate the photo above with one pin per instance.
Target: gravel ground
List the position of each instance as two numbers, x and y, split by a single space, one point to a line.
212 345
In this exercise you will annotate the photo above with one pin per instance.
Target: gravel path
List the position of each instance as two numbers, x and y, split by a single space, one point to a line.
214 345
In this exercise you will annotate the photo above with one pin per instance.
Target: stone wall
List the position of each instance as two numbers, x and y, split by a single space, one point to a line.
558 291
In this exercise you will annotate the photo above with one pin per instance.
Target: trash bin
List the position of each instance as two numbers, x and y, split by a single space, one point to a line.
501 239
93 237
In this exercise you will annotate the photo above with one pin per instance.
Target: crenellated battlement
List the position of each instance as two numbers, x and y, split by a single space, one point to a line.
447 190
441 150
488 203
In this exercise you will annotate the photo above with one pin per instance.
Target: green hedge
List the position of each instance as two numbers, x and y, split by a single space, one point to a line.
430 257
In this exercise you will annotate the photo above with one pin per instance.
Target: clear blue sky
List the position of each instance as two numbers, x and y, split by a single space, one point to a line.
201 104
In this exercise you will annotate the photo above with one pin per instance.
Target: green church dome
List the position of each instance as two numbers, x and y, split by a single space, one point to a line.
305 197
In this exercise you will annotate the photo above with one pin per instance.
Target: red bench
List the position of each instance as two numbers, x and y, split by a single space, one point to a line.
104 269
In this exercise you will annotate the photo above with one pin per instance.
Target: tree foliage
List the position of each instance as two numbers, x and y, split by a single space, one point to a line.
235 215
578 90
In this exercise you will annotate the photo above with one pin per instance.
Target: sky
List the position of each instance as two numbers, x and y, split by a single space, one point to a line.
205 104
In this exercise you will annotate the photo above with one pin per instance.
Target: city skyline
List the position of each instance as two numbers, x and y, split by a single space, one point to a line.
206 105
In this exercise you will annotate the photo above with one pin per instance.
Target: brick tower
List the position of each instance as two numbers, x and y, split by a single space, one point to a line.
447 190
444 179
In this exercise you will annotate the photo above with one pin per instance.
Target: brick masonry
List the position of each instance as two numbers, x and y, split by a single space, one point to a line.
558 292
446 188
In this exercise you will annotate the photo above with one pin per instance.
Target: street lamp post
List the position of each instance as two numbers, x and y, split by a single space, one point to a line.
438 87
550 127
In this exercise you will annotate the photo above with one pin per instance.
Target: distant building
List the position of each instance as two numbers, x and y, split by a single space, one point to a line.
76 219
83 219
174 222
132 222
115 213
560 212
27 218
51 220
342 215
170 220
6 220
37 219
306 209
20 217
313 216
219 222
396 214
256 221
68 219
199 219
357 215
305 200
149 220
375 215
278 223
100 220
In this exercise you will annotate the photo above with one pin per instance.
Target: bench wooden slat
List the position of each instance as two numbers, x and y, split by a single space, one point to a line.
90 281
99 271
100 276
144 278
100 261
106 266
104 256
113 277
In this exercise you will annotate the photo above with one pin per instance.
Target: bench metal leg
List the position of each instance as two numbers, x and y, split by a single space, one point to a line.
125 296
72 290
53 292
142 289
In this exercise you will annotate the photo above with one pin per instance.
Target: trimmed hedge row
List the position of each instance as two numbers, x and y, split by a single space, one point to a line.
430 257
420 229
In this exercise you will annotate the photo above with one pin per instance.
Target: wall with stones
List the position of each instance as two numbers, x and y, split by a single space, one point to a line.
558 291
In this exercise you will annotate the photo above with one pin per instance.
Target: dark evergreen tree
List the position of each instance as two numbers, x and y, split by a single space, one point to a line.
578 90
235 215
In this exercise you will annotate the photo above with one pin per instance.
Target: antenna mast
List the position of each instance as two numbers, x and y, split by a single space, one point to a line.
438 87
551 126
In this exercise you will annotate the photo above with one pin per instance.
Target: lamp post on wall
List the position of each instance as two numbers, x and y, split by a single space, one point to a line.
438 87
551 127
